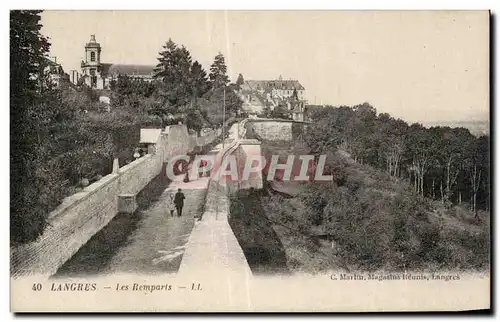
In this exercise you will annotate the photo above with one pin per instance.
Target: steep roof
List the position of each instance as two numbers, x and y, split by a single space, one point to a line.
52 66
130 70
273 84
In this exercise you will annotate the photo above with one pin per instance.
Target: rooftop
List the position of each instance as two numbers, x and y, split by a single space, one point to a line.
130 70
272 84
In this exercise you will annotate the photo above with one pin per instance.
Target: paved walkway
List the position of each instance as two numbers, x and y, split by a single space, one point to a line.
157 245
212 241
213 254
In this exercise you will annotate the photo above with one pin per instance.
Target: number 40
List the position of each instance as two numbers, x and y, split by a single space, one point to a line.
37 287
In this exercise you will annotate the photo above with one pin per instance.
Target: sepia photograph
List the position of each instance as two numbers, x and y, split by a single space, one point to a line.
250 160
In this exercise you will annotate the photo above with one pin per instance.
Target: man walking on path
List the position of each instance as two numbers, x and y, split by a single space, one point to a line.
179 202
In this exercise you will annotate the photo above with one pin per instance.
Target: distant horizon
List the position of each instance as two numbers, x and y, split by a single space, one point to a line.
419 66
480 118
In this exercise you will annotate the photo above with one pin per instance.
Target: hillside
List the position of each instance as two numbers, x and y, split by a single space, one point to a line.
366 221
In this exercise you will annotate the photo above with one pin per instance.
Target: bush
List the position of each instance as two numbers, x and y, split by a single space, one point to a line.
374 228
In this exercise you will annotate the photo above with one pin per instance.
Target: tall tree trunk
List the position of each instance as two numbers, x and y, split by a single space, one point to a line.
474 173
475 186
474 206
433 196
396 170
448 166
442 194
422 184
451 178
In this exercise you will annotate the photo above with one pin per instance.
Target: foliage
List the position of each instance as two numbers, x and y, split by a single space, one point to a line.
185 93
199 80
366 221
280 112
218 72
439 162
58 136
64 135
195 119
28 50
73 144
174 71
240 80
385 220
220 95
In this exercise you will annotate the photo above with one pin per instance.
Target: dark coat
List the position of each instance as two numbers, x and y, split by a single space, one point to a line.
179 199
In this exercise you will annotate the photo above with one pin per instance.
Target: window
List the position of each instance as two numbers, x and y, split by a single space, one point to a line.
92 56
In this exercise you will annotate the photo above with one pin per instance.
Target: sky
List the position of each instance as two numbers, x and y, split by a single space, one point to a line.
415 65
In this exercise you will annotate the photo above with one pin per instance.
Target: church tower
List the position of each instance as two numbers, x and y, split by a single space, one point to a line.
91 67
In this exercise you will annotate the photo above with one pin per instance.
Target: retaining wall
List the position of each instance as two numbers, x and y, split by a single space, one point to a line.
83 214
270 130
225 254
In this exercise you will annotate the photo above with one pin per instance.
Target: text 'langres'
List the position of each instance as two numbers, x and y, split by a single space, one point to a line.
78 287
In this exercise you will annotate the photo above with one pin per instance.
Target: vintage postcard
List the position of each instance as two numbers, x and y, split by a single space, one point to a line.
249 161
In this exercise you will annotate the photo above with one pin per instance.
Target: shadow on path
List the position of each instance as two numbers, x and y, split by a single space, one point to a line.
94 257
263 249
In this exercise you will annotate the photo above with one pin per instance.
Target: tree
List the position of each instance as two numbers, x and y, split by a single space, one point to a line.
195 119
240 81
389 140
184 90
218 72
174 92
448 148
224 94
437 159
210 111
199 80
28 51
420 156
477 167
280 111
124 85
129 92
174 70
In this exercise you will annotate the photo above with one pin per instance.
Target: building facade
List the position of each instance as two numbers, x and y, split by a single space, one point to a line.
53 73
257 95
99 75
